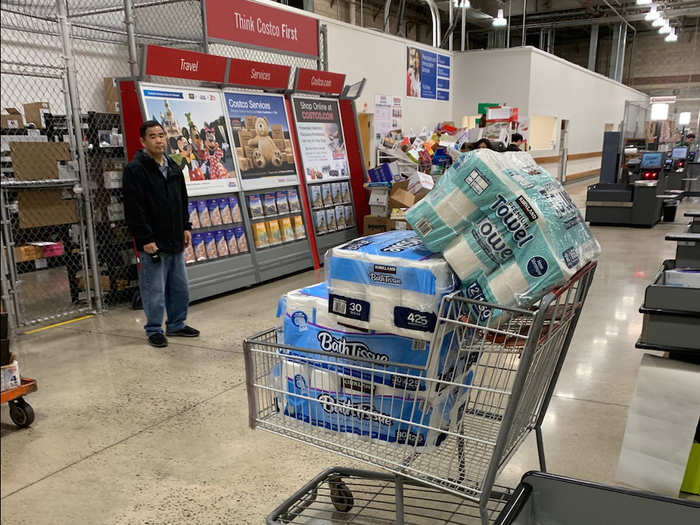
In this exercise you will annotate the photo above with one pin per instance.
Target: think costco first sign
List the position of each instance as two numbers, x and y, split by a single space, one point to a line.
255 25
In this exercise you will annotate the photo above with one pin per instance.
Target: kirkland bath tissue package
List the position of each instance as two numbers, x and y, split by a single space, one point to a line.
506 227
388 282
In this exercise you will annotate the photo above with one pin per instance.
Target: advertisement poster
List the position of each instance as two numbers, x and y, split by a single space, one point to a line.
321 139
261 139
195 128
427 74
387 114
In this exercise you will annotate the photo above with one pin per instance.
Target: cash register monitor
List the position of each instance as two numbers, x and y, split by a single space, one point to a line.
679 153
652 160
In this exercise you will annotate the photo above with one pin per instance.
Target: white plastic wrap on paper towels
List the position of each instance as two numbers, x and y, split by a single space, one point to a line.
346 394
506 227
388 282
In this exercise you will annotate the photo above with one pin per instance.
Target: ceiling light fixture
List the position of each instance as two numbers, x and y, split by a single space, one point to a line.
672 36
652 15
462 4
658 21
499 21
643 2
665 29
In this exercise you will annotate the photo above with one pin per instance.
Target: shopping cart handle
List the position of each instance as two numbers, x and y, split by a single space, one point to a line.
515 505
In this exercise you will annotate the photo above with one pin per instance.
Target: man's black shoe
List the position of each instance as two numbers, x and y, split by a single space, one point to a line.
187 331
158 340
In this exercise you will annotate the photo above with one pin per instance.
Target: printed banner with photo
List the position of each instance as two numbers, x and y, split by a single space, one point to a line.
198 141
387 114
321 139
261 136
427 74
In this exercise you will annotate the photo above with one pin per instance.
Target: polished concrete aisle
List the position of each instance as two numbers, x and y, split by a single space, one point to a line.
127 434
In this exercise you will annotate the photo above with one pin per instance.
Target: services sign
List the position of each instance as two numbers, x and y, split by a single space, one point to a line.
256 25
258 74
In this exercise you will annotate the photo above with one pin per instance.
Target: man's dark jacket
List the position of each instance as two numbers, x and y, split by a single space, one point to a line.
156 208
512 147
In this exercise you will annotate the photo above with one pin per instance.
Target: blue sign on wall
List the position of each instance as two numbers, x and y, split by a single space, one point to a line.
427 74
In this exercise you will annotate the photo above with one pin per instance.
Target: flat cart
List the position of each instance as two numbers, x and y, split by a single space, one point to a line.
447 428
21 412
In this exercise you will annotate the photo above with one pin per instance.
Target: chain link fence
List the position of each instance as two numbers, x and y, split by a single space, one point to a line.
66 248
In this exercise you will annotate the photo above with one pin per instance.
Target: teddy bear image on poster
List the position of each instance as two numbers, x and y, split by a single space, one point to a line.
266 153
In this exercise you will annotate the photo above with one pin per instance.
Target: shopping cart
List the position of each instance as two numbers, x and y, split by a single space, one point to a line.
448 428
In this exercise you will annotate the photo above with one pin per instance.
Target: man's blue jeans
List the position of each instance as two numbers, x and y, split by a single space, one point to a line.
164 289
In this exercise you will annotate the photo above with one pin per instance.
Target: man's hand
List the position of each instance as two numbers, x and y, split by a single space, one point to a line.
188 238
151 247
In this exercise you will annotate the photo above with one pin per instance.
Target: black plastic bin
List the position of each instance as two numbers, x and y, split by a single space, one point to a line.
670 208
546 499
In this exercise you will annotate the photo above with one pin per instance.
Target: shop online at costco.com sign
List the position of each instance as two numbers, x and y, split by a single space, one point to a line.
252 24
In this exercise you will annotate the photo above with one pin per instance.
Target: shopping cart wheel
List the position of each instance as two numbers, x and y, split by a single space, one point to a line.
21 412
341 496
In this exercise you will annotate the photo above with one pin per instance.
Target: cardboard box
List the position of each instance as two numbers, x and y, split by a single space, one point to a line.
45 208
38 160
240 153
244 164
27 253
115 212
400 197
379 197
13 119
80 281
10 376
111 95
276 127
379 211
374 225
34 113
420 184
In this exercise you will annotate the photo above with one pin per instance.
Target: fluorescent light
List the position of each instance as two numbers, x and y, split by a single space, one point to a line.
659 111
684 118
665 29
499 21
658 22
652 15
462 4
672 36
643 2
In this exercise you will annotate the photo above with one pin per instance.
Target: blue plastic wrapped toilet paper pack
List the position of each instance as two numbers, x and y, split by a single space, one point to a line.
388 282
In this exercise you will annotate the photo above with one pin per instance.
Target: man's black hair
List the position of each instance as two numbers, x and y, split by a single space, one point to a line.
690 136
149 124
515 137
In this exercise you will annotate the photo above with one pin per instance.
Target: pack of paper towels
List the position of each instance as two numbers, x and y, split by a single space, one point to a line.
388 282
333 390
506 227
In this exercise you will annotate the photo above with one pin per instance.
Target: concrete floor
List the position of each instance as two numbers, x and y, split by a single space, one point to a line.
127 434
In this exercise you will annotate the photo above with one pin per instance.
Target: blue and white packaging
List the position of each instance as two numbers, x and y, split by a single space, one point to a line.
506 227
388 282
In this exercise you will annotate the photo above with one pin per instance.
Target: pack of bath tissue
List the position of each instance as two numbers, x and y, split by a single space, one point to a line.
307 325
506 227
388 282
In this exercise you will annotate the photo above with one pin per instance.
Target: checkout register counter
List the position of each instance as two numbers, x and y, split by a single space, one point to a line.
644 186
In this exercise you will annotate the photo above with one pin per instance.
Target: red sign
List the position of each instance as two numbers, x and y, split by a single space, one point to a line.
252 24
178 63
320 81
257 74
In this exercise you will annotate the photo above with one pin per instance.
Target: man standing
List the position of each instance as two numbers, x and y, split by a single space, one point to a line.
516 141
155 204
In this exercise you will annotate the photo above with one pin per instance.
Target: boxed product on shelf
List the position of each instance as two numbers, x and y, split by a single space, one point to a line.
345 192
239 232
330 219
194 216
231 242
189 254
35 112
379 211
286 229
10 377
274 235
282 203
221 245
293 199
320 221
236 215
225 210
270 204
111 179
112 95
326 194
203 212
214 213
27 253
260 235
210 244
336 195
400 197
13 119
115 211
349 216
316 199
340 217
299 230
255 206
200 250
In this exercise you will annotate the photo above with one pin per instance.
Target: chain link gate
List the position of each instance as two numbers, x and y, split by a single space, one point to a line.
67 53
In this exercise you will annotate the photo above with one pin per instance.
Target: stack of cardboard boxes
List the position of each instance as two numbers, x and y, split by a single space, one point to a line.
34 113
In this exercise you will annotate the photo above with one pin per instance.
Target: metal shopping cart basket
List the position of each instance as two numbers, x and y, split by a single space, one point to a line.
445 430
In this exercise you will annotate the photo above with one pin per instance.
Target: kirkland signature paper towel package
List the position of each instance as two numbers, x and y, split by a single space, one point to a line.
345 395
388 282
506 227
